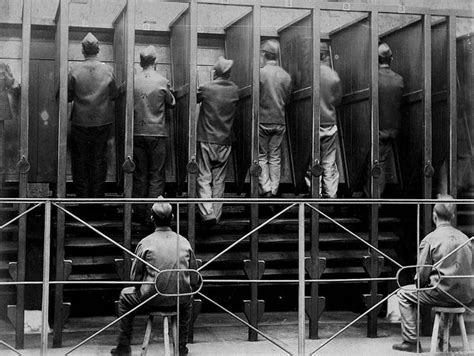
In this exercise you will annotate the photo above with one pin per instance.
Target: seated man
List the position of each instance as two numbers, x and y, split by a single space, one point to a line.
160 249
435 248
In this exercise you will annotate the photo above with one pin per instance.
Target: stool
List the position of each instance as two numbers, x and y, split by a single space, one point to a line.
450 312
167 316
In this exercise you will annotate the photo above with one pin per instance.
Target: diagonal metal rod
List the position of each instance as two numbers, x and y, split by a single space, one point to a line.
457 301
453 251
353 322
357 237
110 324
108 238
11 348
19 216
245 236
273 341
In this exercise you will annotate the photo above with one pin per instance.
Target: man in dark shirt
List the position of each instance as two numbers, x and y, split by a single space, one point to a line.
218 100
444 252
92 88
166 250
275 91
8 86
390 102
150 131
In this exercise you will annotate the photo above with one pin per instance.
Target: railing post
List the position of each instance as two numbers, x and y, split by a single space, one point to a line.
46 274
301 283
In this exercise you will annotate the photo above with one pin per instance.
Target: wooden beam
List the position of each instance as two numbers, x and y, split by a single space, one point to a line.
452 108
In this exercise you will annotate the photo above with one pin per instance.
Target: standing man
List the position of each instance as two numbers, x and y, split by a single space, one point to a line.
8 86
444 252
275 91
331 94
152 96
390 115
160 249
92 88
218 100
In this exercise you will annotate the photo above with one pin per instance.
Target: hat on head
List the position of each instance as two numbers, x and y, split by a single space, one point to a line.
385 51
90 44
223 65
162 210
148 53
270 46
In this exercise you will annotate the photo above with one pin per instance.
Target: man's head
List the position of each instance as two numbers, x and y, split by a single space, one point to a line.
90 45
270 49
223 67
385 54
444 212
148 56
161 213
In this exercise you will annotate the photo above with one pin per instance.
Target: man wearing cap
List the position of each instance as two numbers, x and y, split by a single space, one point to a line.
390 115
218 100
165 250
444 252
275 90
152 96
92 88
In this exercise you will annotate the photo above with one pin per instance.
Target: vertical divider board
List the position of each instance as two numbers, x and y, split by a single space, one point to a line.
62 40
452 106
23 172
181 63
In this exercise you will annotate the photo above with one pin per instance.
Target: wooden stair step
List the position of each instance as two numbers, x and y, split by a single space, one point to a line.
8 247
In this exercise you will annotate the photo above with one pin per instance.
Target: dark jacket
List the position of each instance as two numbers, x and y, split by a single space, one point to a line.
219 100
151 96
433 248
160 250
92 88
390 102
330 97
275 91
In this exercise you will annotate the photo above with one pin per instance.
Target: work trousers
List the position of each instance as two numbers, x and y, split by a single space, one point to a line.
269 156
130 297
89 159
330 176
385 152
212 161
407 300
149 155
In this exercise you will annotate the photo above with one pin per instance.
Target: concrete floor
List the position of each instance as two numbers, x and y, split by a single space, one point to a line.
218 334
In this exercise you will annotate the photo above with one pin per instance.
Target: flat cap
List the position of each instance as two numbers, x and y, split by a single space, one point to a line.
270 46
223 65
162 210
385 51
90 43
148 53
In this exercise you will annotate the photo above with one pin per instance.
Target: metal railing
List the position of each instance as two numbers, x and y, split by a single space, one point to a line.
313 204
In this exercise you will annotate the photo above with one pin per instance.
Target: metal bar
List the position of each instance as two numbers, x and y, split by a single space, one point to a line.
301 284
452 109
108 238
273 341
357 237
457 301
19 216
46 273
453 251
11 348
353 322
245 236
418 280
427 118
110 324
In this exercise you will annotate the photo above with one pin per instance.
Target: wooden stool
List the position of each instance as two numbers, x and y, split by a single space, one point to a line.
450 314
166 317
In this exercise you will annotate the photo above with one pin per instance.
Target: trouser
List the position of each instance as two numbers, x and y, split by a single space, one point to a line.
385 152
130 298
269 156
330 176
212 161
407 300
149 155
89 159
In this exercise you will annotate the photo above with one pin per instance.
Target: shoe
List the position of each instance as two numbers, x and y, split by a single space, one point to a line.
183 350
407 347
121 350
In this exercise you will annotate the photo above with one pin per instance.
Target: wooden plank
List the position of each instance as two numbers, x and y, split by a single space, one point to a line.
62 38
452 107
